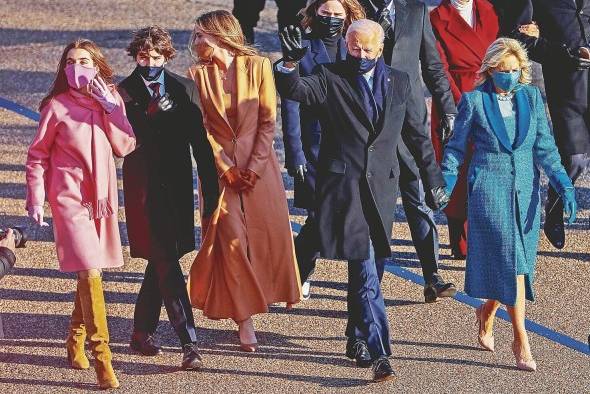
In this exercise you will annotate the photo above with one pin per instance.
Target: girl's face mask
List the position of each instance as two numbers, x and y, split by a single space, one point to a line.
79 76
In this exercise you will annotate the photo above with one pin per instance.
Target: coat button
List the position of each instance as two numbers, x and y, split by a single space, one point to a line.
372 148
369 174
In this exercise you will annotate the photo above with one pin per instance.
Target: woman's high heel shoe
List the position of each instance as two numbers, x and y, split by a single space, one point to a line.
529 365
243 326
485 341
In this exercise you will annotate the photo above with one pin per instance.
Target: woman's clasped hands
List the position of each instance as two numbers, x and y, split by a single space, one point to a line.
240 180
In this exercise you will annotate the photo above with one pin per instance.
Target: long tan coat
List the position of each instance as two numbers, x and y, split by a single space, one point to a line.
247 258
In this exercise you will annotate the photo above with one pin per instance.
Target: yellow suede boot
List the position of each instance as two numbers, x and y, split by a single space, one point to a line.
77 338
95 319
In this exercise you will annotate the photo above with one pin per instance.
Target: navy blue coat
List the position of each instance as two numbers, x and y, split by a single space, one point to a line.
301 127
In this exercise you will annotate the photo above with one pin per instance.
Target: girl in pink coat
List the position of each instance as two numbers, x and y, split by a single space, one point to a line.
70 162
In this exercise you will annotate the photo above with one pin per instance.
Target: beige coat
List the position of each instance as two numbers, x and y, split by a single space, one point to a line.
247 257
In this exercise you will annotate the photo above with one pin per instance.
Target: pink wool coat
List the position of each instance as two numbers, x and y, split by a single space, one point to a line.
72 152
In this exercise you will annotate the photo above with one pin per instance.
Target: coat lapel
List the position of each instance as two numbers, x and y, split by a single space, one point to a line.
137 90
523 109
457 27
389 81
243 73
318 49
212 84
342 50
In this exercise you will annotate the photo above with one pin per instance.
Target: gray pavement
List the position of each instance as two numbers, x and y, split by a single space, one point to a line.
435 347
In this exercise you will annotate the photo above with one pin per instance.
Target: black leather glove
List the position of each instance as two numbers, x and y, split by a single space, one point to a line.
162 104
445 127
292 44
437 198
574 60
299 173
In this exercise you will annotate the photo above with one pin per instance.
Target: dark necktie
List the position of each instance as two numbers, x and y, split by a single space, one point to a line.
385 21
155 86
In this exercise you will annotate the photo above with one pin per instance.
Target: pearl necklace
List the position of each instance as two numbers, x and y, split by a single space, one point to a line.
505 97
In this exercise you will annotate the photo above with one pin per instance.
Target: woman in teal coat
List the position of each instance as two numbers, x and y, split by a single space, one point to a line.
505 120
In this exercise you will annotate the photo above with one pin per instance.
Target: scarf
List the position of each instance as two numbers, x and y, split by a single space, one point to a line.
101 155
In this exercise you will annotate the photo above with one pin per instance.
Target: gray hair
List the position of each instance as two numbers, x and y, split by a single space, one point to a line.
366 27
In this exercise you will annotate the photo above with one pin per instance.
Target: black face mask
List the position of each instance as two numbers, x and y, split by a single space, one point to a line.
359 65
327 26
150 73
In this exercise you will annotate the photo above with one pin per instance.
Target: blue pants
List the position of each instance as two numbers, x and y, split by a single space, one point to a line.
367 319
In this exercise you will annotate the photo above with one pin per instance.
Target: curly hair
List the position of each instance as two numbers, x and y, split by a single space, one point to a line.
497 52
152 37
354 11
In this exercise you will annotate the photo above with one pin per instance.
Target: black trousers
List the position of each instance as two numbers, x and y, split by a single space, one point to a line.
248 13
164 281
575 165
420 218
307 248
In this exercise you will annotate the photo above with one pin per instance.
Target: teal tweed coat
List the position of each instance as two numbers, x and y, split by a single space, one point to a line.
503 187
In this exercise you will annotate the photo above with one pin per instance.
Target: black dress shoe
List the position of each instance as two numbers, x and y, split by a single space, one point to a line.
144 344
191 359
438 288
359 351
382 370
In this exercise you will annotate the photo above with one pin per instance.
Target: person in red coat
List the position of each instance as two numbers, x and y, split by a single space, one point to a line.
464 30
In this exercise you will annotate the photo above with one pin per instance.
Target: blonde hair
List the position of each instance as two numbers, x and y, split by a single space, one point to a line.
354 11
497 52
225 28
368 27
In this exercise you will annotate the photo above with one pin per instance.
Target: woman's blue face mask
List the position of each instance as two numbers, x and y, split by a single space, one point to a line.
506 80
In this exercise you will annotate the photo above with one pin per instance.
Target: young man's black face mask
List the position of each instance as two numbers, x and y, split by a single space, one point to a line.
150 73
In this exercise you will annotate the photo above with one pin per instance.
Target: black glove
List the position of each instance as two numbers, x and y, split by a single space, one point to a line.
162 104
292 44
437 198
299 173
574 60
445 127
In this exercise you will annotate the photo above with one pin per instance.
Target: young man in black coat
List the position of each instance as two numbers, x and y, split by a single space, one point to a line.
158 184
410 46
564 30
362 104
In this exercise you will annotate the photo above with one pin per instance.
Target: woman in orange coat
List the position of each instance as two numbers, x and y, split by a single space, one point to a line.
247 259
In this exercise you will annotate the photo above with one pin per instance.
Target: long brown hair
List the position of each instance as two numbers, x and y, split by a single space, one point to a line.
354 11
224 27
60 84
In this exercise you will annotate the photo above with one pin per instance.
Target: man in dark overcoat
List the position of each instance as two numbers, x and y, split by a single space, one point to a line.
410 46
158 184
362 105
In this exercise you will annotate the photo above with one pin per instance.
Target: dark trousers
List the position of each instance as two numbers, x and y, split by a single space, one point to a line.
575 165
367 319
307 248
248 13
419 217
164 281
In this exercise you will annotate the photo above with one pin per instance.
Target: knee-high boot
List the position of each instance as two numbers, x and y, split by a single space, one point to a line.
77 337
95 319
